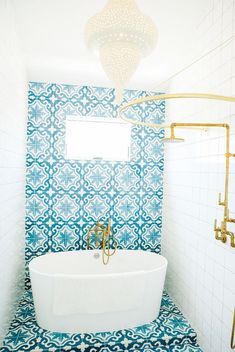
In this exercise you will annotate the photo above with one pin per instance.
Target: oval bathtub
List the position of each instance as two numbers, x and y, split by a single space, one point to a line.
74 292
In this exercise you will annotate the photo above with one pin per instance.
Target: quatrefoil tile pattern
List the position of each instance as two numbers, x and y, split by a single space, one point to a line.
65 197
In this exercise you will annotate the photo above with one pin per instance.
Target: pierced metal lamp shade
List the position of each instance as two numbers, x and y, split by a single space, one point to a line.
122 35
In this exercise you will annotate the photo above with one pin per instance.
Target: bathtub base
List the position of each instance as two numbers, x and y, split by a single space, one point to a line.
105 322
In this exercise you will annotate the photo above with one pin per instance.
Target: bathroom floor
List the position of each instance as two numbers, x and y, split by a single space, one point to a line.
169 333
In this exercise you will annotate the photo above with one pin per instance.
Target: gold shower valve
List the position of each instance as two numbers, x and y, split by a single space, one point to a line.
219 233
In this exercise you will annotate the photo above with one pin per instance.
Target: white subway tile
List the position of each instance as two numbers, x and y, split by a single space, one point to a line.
13 106
199 169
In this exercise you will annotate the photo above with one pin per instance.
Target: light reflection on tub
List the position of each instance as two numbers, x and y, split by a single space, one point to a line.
74 292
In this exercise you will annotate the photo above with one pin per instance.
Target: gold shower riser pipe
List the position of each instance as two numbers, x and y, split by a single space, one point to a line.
222 232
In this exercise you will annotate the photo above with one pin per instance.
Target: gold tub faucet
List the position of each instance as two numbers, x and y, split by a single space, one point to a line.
102 240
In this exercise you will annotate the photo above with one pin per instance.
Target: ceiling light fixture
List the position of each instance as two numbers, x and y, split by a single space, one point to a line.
122 35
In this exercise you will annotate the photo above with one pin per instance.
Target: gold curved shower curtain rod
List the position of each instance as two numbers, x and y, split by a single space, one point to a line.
123 108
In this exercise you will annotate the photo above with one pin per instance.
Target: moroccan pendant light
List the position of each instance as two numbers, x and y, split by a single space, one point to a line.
122 35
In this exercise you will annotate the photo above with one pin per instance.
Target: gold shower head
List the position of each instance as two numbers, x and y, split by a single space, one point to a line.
172 138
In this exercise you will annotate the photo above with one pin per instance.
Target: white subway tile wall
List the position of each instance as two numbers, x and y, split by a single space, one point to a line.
13 105
201 273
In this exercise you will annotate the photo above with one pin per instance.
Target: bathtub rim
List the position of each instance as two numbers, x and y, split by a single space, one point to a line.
117 274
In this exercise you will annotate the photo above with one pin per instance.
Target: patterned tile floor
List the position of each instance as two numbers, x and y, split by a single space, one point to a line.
169 333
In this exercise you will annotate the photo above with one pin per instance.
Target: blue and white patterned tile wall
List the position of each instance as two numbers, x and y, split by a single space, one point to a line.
65 197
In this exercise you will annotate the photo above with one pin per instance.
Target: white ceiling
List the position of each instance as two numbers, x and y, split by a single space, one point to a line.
52 40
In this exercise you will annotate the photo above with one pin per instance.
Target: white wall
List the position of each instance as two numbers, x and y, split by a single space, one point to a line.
201 273
12 166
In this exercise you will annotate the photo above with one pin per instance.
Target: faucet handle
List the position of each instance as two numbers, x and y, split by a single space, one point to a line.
98 223
219 232
215 226
219 201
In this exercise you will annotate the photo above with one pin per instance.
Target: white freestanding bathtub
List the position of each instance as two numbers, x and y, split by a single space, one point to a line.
74 292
